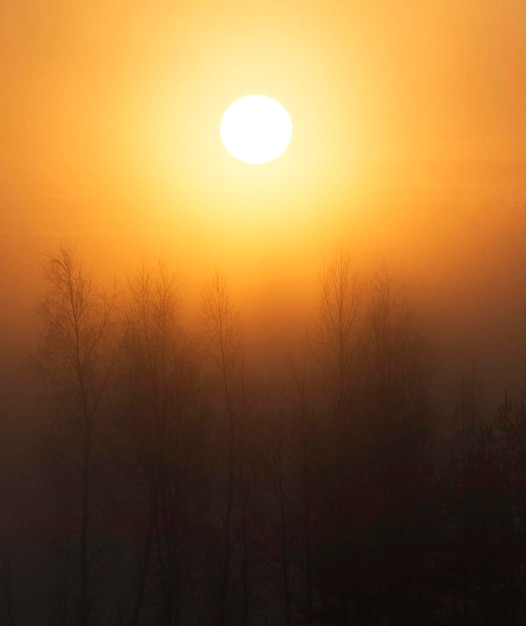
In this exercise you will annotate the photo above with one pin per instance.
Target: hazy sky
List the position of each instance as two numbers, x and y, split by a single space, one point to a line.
409 145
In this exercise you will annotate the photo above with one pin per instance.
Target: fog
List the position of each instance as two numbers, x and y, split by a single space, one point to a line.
408 160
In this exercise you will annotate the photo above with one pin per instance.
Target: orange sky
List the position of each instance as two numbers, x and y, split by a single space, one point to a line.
409 142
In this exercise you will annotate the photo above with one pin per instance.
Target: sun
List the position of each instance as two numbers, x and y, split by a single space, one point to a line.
256 129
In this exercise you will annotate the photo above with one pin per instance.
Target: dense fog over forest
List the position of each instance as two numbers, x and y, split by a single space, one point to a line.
163 466
247 391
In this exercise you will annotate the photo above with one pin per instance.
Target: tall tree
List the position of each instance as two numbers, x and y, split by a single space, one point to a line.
396 427
337 331
77 355
160 382
225 347
337 341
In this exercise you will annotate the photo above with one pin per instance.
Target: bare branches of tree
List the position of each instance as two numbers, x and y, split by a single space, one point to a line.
337 328
160 381
77 358
223 339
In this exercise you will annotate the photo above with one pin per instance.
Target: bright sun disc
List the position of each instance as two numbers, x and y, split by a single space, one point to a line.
256 129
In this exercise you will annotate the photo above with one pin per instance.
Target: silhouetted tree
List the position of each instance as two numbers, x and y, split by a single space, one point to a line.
159 384
223 339
336 348
396 462
77 355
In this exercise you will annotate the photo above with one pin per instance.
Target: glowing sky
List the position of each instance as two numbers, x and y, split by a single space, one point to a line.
409 121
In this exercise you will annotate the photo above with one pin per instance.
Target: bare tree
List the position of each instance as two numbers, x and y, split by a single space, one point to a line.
337 328
225 347
337 340
397 462
397 367
77 358
160 378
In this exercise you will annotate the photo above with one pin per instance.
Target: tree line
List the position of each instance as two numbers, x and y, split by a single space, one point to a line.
188 493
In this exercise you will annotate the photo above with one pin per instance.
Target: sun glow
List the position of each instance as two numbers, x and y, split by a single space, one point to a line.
256 129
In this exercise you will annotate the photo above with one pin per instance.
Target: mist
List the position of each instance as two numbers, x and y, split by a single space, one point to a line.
286 394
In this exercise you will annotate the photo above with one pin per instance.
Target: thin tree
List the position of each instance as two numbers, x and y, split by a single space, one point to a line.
337 335
224 343
397 427
337 328
77 358
160 381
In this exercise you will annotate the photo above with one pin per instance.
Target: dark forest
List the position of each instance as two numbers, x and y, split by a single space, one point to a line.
184 487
